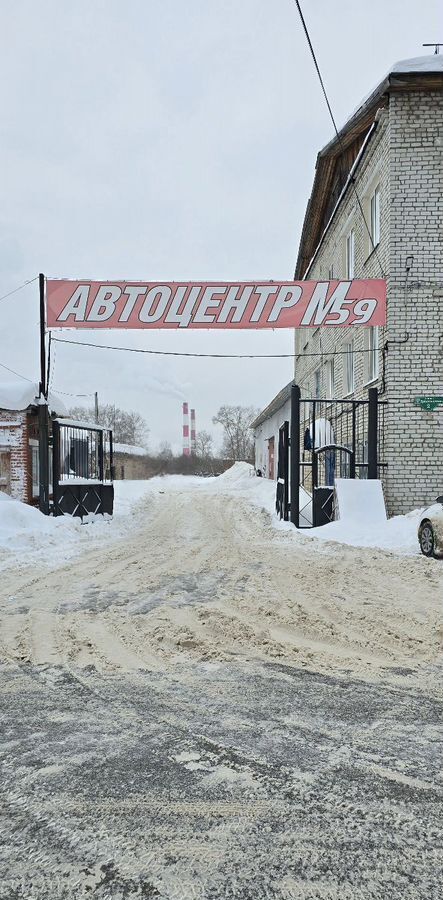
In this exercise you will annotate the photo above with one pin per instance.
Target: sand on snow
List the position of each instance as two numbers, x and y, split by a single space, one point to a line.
201 573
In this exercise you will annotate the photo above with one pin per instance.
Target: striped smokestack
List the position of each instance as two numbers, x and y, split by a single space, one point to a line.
186 447
193 432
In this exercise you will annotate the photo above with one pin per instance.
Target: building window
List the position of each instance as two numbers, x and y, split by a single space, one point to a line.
329 379
375 217
372 348
317 383
350 254
349 377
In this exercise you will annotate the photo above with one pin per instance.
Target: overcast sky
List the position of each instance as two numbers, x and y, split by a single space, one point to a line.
156 139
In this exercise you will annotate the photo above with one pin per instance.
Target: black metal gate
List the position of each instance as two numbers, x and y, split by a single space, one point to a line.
82 469
282 498
329 439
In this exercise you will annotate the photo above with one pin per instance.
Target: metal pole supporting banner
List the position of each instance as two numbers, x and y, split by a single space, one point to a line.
372 432
43 424
41 287
295 455
55 466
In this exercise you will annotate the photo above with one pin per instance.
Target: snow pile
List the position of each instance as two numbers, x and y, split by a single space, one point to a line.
242 481
16 395
429 63
25 532
29 537
397 535
236 474
129 496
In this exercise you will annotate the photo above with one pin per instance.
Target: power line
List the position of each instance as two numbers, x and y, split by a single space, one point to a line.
16 373
20 288
68 394
212 355
311 48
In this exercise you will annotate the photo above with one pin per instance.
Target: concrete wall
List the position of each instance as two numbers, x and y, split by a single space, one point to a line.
133 467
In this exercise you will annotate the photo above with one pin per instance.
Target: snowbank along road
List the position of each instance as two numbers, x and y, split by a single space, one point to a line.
210 708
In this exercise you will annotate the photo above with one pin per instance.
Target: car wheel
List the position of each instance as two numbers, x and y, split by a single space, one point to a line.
426 539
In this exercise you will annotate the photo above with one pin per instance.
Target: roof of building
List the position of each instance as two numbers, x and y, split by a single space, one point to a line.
19 395
279 400
336 159
129 449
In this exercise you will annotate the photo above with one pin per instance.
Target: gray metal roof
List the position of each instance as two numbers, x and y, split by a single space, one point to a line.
279 400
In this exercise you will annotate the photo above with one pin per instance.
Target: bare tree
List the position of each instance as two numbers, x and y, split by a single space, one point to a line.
128 427
165 450
203 445
238 440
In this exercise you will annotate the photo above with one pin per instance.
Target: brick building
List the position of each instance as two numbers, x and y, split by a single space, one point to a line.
131 462
19 451
376 210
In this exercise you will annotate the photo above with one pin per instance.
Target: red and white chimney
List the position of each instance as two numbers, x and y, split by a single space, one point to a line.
193 433
186 445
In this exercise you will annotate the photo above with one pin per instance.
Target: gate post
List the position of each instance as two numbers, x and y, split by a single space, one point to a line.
55 465
286 471
372 432
295 455
43 452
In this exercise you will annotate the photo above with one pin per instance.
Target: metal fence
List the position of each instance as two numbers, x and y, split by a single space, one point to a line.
329 439
82 469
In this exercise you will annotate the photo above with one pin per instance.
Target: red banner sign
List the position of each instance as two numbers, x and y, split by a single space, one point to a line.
215 304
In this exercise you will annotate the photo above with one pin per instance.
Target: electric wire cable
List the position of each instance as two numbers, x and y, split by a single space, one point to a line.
20 288
2 365
212 355
322 84
69 394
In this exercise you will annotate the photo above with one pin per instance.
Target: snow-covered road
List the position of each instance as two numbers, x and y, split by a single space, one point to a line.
203 575
209 707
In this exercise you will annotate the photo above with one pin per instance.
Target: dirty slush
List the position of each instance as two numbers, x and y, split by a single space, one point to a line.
210 710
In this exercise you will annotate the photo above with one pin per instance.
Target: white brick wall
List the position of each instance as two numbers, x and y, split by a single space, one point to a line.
405 157
14 438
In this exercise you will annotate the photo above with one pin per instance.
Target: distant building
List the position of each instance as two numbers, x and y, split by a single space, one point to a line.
391 151
266 428
131 462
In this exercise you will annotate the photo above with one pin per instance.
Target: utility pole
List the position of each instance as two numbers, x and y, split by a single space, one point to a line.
96 407
43 415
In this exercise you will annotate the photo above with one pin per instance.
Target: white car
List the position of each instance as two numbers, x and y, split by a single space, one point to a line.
430 530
